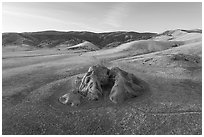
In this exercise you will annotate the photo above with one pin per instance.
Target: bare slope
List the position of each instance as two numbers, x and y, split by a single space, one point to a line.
85 45
146 46
179 35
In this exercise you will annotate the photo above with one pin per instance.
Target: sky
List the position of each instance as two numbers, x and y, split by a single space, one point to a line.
100 16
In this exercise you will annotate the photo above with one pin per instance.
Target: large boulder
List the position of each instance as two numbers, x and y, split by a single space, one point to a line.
124 85
92 82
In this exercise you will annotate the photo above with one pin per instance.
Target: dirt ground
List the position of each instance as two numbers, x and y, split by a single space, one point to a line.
32 82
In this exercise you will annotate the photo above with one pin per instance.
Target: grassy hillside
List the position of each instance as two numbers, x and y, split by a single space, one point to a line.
33 81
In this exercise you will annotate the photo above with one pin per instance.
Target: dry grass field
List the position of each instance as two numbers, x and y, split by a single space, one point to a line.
34 79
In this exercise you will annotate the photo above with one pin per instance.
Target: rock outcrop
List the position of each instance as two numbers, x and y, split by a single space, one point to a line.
124 85
92 81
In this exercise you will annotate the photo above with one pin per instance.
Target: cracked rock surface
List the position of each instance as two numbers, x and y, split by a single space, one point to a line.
124 85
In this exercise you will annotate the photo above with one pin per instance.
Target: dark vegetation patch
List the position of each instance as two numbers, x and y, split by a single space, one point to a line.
186 57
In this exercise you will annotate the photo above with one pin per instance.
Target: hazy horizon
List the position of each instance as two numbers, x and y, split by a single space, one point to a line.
100 16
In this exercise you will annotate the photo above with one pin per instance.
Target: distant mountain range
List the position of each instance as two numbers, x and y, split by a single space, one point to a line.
52 39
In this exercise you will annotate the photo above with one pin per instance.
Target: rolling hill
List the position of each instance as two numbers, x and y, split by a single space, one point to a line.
169 63
54 38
